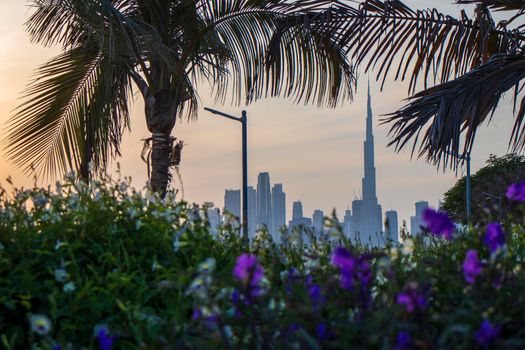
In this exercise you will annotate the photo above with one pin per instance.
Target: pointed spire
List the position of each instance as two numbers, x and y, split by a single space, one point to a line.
369 124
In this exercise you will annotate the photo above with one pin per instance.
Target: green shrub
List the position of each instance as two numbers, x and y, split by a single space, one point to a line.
146 271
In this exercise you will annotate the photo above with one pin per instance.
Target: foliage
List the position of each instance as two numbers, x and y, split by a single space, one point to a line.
493 178
472 60
102 259
77 108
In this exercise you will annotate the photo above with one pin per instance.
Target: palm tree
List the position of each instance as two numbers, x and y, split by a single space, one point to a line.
472 60
77 109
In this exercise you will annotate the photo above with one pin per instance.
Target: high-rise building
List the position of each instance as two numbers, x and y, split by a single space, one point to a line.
297 217
367 214
392 226
252 211
416 221
264 200
232 202
278 220
347 224
214 217
318 222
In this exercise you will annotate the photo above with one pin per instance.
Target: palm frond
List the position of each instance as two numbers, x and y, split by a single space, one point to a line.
441 114
47 133
393 39
251 44
499 5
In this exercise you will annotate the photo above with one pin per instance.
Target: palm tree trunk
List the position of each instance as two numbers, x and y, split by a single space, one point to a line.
161 113
160 163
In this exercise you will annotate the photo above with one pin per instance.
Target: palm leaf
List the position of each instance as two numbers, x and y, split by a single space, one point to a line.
396 40
442 113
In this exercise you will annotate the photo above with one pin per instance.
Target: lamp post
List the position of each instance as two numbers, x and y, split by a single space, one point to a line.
243 121
465 156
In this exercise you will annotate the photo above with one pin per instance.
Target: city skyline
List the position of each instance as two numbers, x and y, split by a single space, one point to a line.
316 153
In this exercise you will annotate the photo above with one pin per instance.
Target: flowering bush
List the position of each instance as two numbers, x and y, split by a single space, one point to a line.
103 266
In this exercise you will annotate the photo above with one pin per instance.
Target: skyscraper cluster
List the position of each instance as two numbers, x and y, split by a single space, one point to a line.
364 222
266 206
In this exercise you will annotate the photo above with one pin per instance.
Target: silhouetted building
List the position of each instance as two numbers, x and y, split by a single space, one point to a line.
367 214
416 221
318 222
232 202
347 224
264 201
297 217
252 211
214 217
278 220
392 226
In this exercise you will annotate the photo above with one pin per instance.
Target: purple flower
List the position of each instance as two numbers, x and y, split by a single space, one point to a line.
516 192
365 272
412 299
322 332
105 342
439 223
250 273
314 291
403 340
495 237
347 264
471 266
197 314
247 269
486 333
343 259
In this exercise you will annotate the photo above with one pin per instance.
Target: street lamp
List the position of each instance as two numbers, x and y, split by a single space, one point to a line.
465 156
243 122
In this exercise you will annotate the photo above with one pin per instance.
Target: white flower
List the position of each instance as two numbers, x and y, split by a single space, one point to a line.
69 287
59 244
408 247
40 324
1 247
155 266
61 275
207 266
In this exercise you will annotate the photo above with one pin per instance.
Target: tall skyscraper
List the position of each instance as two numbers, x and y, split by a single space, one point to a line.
416 221
318 222
232 202
367 214
264 200
297 216
214 217
392 226
347 224
252 211
278 220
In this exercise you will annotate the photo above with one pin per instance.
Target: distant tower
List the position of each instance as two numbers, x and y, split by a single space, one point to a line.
278 210
214 217
392 226
367 213
232 202
416 221
264 200
318 221
297 217
297 210
347 224
252 211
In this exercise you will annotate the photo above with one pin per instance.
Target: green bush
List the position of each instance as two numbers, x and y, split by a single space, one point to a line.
103 256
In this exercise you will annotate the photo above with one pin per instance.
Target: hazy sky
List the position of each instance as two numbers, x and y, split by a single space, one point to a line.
316 153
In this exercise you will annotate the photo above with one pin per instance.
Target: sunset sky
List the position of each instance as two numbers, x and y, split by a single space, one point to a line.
316 153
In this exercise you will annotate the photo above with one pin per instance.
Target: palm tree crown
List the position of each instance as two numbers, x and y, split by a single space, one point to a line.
77 109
